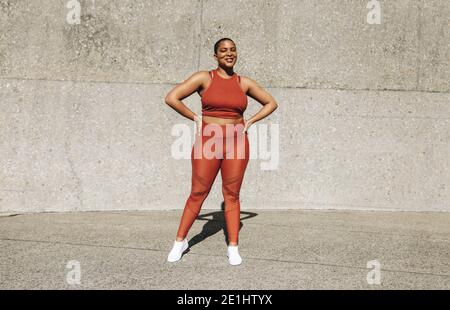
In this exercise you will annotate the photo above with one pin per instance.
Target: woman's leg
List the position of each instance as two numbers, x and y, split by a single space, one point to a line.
232 170
204 172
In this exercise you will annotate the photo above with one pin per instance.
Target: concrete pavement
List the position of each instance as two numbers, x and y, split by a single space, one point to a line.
289 249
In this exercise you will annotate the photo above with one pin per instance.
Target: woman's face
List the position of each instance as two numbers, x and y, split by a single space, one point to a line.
226 54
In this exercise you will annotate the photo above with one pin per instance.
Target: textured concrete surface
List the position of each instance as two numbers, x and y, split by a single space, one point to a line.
296 43
105 146
363 109
298 249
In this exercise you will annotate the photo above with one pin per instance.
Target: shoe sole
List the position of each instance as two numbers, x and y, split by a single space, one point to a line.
231 263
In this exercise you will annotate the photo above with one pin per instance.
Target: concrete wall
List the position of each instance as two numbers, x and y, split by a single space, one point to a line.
363 108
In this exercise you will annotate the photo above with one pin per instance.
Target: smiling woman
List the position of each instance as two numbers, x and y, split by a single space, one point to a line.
224 101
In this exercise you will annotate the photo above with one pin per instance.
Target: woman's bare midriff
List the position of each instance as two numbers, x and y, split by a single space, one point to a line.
221 121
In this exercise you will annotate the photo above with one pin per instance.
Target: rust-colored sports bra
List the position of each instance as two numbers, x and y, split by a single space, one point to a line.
224 97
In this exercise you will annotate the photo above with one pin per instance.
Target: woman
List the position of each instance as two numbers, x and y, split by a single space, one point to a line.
222 125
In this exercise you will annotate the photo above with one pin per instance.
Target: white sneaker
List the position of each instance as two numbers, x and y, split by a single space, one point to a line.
233 255
177 250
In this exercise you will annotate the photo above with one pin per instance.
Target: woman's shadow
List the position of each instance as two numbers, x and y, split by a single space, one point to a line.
216 223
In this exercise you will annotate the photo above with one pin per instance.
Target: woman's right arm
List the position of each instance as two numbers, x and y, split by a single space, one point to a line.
183 90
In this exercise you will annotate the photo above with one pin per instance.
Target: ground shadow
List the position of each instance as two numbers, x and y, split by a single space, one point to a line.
215 222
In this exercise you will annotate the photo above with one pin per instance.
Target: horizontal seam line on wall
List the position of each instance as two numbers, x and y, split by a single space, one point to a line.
268 87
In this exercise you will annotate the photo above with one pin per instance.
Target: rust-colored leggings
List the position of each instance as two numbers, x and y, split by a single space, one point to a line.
218 147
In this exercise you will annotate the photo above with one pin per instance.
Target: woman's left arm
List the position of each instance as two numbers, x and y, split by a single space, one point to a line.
256 92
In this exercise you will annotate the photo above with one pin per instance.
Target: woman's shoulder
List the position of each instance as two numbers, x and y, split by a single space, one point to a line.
202 75
203 72
247 81
198 77
246 78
